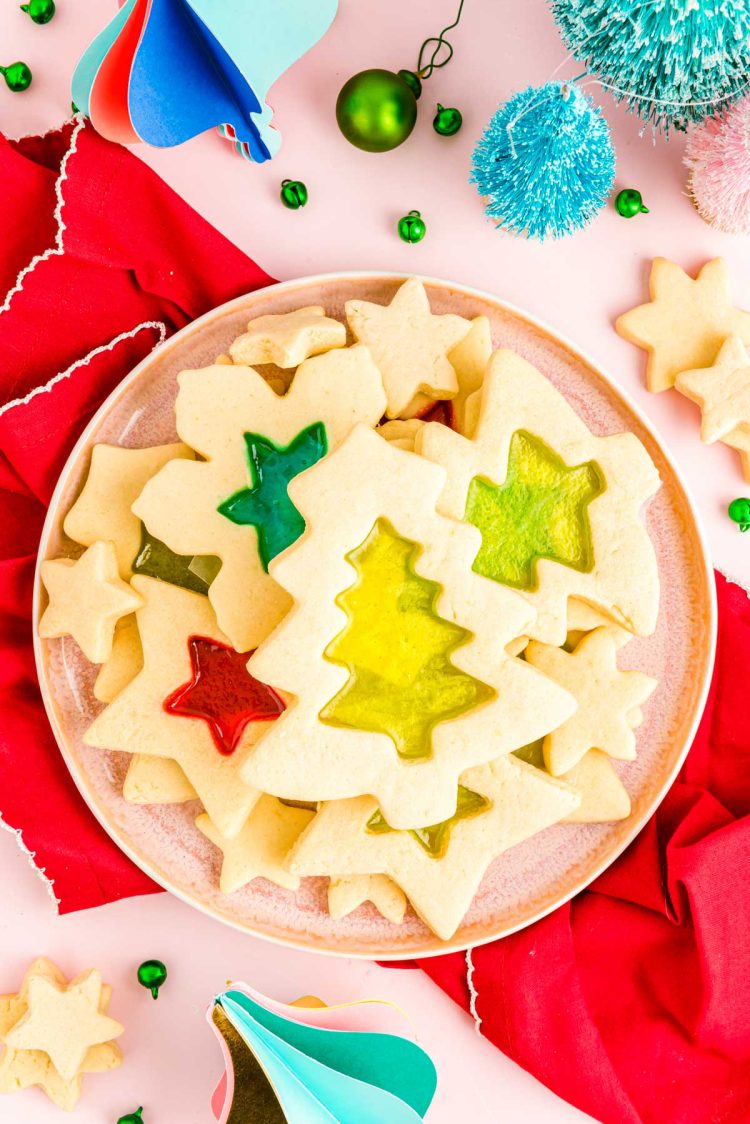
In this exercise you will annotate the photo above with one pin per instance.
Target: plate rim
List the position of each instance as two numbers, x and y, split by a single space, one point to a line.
299 942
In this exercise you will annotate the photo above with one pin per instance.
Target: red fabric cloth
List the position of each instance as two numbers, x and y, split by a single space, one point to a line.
633 1001
133 252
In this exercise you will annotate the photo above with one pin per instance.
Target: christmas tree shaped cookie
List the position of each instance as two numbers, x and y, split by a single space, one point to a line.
507 801
234 504
409 344
557 507
395 649
686 321
193 702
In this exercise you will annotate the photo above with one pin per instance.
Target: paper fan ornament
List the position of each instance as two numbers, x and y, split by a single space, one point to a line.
163 71
349 1064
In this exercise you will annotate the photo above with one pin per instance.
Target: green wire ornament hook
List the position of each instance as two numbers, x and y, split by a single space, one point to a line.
425 68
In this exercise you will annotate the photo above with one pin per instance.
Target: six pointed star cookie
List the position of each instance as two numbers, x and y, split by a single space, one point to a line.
216 408
686 321
347 894
137 721
22 1069
400 680
289 338
722 391
116 478
521 801
261 848
63 1021
409 344
606 697
87 598
558 508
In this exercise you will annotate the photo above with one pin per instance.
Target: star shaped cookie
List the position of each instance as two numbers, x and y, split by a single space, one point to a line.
722 391
137 721
606 697
394 651
87 598
469 359
739 439
261 848
557 507
216 409
63 1021
604 797
22 1069
409 345
347 894
686 321
115 479
156 780
124 663
520 802
289 338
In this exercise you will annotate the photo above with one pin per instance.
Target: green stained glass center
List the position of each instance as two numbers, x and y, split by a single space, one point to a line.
266 504
539 512
396 648
435 839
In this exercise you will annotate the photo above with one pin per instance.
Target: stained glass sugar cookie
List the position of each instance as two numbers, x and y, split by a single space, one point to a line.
558 508
233 503
394 650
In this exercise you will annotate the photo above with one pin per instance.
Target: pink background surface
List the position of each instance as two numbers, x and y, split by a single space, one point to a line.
577 286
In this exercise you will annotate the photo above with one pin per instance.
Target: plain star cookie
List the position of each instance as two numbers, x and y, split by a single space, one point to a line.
115 479
289 338
723 393
347 894
234 503
156 780
193 702
469 360
439 868
87 597
605 695
409 345
686 321
63 1021
557 508
124 663
394 650
22 1069
261 848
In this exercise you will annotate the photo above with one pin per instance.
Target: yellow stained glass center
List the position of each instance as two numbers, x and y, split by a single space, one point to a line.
396 648
436 838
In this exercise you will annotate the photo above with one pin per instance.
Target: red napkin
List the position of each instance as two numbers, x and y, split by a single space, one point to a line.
133 254
633 1001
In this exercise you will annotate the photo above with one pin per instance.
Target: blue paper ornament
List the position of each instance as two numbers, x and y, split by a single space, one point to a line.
671 61
545 163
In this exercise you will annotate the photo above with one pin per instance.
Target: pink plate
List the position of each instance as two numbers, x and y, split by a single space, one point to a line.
532 878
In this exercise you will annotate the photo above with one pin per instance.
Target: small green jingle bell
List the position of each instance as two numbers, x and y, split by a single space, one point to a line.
629 202
739 512
293 194
447 121
151 975
411 228
41 11
17 76
413 81
132 1117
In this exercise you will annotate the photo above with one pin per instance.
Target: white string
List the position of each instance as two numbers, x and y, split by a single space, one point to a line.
158 325
30 857
473 993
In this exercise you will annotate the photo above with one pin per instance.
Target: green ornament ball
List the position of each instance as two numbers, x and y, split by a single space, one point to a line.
17 76
629 202
132 1117
413 81
376 110
41 11
293 194
447 121
151 975
739 512
411 228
